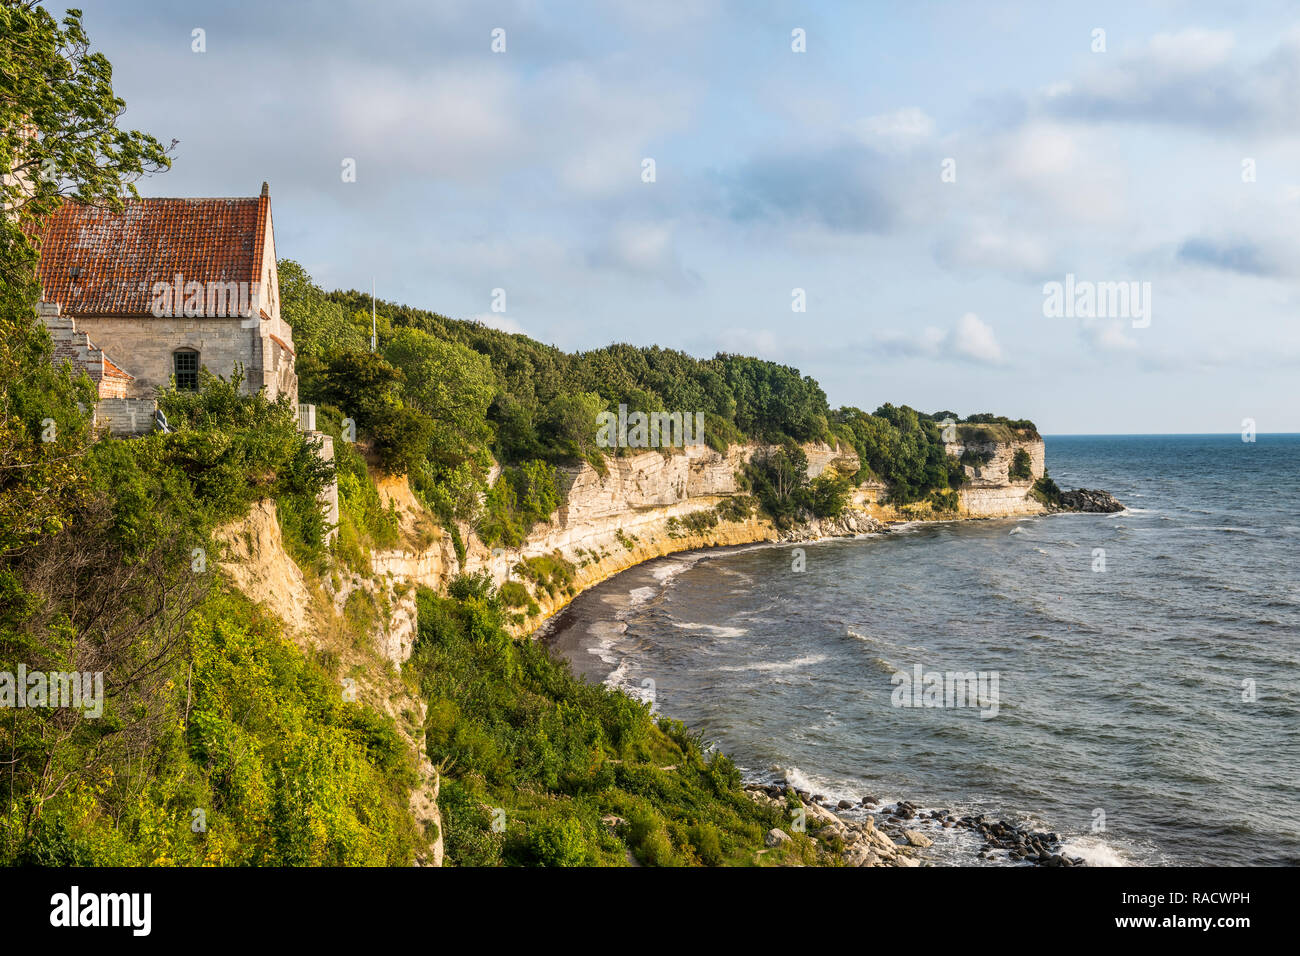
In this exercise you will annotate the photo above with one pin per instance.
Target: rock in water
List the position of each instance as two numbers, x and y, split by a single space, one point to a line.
917 839
1088 500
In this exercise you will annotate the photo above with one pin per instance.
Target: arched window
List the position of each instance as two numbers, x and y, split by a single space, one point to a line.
185 363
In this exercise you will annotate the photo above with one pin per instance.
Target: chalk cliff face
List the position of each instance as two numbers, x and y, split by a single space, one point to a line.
990 493
644 506
649 505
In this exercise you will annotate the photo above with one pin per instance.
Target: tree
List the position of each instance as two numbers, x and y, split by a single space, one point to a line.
58 138
452 384
320 324
779 479
568 425
59 134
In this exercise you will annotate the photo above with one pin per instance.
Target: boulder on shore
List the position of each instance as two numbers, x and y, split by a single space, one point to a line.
776 836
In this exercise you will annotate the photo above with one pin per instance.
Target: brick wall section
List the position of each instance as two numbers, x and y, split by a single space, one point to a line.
75 347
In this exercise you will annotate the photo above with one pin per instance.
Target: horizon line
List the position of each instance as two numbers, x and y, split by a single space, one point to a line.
1156 434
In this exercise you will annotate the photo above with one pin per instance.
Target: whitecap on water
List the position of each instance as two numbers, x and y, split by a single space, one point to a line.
1095 852
720 630
777 666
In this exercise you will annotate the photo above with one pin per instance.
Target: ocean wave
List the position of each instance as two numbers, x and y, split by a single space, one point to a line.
665 572
639 596
720 630
605 634
829 787
1096 852
798 663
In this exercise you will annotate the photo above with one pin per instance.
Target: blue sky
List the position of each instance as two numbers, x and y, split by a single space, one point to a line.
778 170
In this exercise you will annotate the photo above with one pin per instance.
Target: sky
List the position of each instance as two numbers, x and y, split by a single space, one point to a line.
921 172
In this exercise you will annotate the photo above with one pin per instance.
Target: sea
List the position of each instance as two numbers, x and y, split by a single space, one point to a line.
1137 675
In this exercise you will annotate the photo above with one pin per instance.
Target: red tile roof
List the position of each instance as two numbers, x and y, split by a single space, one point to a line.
118 256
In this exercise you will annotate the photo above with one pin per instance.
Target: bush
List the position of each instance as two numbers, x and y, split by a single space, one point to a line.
551 573
828 494
520 733
778 478
515 594
521 497
559 843
1022 466
707 841
1046 490
226 449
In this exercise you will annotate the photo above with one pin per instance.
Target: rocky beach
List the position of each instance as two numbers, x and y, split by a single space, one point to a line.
868 833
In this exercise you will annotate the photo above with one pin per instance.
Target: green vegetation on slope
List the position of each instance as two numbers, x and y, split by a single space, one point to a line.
206 707
544 769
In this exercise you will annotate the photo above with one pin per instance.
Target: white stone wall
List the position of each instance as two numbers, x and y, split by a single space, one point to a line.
125 416
330 496
143 347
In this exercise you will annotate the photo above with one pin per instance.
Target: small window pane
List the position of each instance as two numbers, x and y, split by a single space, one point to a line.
187 370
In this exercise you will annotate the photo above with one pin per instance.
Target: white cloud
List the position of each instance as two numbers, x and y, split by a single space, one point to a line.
971 340
1107 335
986 248
644 249
1190 51
900 130
974 339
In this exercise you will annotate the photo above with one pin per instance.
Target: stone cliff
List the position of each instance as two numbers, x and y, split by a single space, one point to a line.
643 506
991 492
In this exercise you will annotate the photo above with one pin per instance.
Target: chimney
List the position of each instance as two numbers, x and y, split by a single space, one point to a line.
266 189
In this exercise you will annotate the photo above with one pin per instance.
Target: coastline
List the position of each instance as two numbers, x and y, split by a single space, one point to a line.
861 830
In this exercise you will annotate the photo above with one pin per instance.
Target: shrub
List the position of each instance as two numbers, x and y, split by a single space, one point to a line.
1046 490
737 508
944 500
1022 466
707 841
976 459
519 732
521 497
828 494
515 594
559 843
550 572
